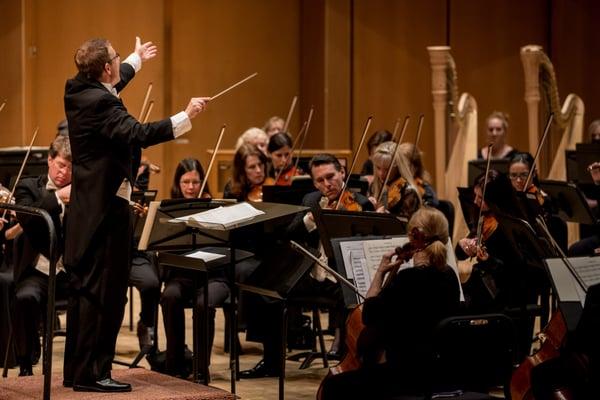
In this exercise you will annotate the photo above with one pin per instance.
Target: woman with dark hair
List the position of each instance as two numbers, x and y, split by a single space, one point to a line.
180 285
281 169
188 179
249 165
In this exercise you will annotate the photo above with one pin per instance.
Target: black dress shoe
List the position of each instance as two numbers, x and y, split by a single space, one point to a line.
25 370
260 370
105 385
67 383
334 355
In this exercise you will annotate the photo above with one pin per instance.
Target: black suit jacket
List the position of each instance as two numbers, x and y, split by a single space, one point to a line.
31 191
106 145
297 230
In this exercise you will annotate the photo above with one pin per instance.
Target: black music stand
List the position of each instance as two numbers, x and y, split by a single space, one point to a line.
292 194
11 159
568 202
478 167
275 216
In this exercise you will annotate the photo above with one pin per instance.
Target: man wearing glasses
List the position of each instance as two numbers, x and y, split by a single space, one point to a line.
106 144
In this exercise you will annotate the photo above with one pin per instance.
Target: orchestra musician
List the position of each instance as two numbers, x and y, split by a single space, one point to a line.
404 313
106 144
265 321
50 192
249 166
594 131
421 176
180 285
400 195
256 137
497 129
590 246
375 140
273 125
280 151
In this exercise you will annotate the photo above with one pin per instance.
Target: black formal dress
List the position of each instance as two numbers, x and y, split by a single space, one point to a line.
404 314
106 144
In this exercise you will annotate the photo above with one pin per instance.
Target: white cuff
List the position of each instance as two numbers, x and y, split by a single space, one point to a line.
135 61
309 223
181 124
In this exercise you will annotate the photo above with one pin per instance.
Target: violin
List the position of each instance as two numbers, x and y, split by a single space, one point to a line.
394 192
256 193
346 201
539 195
284 177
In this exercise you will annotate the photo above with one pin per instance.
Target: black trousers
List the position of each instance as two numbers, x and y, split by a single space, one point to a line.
180 291
6 291
97 298
144 276
29 308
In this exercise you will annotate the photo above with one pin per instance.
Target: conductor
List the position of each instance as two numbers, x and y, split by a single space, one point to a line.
106 144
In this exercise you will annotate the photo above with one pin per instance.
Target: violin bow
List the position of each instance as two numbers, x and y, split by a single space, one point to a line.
538 151
2 105
290 113
145 103
222 92
326 267
396 128
389 172
12 191
212 160
485 182
362 140
308 121
150 107
418 137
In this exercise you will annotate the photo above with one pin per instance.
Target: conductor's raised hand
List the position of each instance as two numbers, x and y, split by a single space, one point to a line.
196 106
146 50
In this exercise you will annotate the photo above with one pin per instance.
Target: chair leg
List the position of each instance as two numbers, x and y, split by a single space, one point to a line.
319 333
130 308
7 353
282 357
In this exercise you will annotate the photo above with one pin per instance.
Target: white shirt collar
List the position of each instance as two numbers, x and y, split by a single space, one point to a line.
110 88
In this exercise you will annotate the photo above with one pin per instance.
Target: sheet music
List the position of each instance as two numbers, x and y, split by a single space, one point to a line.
221 217
351 248
204 256
588 269
375 249
567 287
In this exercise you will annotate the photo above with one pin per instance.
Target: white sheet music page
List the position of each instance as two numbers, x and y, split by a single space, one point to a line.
204 256
221 217
375 249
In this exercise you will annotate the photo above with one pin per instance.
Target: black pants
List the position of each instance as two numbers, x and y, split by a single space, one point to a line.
29 308
97 298
144 276
180 291
6 291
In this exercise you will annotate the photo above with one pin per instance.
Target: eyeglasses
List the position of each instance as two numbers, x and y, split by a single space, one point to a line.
112 59
518 175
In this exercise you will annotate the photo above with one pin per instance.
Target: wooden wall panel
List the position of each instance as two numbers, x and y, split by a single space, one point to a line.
11 68
486 38
391 74
216 43
575 52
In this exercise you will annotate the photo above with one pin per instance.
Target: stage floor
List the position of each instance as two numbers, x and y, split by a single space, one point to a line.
300 384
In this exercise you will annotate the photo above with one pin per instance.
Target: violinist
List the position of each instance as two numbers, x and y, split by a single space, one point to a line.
264 325
249 166
375 140
399 196
497 129
421 176
256 137
404 312
282 169
273 125
180 284
50 192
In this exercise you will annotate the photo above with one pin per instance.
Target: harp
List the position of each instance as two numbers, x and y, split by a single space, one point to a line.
541 97
455 125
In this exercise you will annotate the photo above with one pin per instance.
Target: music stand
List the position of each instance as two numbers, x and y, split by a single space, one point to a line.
11 159
292 194
478 167
586 154
568 202
335 224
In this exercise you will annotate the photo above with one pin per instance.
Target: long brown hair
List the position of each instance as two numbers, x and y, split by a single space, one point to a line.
240 186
